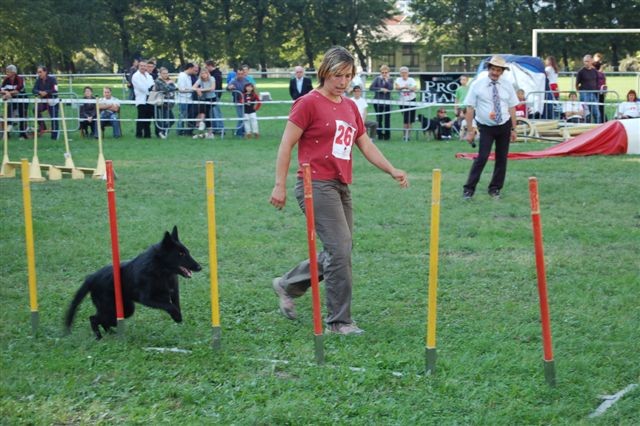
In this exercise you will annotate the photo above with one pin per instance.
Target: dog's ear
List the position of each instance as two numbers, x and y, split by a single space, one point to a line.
167 240
174 233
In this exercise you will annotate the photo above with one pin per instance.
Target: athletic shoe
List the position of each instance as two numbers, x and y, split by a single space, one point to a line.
343 329
201 126
467 195
197 136
495 194
210 136
287 307
162 135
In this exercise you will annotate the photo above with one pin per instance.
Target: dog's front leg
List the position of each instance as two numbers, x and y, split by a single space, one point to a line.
171 309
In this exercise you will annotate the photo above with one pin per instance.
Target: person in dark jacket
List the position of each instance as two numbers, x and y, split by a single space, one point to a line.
382 86
46 91
299 85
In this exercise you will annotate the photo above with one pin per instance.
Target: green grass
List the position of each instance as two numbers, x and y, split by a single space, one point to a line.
489 368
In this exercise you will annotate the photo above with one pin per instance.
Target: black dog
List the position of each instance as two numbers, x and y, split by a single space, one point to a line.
150 279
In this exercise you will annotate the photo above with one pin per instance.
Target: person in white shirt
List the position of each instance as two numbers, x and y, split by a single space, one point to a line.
361 103
493 100
574 110
142 84
109 109
184 97
630 108
551 70
407 87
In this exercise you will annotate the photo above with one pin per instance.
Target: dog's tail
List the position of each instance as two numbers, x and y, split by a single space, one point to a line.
77 299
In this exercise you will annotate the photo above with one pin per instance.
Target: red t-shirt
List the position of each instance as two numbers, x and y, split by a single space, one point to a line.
329 132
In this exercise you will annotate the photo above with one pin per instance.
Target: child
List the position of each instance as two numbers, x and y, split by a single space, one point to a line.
205 88
521 108
88 113
251 102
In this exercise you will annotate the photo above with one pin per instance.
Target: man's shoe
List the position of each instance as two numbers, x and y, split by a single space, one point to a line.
495 194
343 329
467 195
287 307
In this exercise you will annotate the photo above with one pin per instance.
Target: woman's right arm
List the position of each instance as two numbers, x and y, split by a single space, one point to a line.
290 138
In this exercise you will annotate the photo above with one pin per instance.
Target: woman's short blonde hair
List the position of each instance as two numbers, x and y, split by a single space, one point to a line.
384 68
336 59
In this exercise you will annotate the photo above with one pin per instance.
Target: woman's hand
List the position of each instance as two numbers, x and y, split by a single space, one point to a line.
278 197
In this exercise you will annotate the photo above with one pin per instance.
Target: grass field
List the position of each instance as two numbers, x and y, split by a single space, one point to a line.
489 339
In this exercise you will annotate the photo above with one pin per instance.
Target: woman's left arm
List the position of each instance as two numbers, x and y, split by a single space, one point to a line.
375 157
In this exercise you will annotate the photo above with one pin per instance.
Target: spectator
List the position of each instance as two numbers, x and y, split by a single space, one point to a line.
630 108
494 100
12 88
46 89
299 85
407 87
132 70
88 113
109 110
164 117
358 80
218 124
587 86
551 71
252 104
460 94
142 85
152 70
522 110
442 125
236 87
325 127
232 74
247 74
573 110
371 126
382 86
184 86
602 83
205 90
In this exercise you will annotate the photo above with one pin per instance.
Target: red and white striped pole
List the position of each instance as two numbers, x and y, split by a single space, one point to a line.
115 251
549 366
313 263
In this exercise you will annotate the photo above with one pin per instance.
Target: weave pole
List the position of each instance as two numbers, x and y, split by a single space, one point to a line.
213 257
68 159
31 258
35 175
313 263
549 365
6 170
430 350
115 250
99 172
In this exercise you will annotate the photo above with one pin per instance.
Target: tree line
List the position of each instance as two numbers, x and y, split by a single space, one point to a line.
98 35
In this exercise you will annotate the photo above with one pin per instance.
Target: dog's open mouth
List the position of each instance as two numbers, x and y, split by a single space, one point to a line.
185 272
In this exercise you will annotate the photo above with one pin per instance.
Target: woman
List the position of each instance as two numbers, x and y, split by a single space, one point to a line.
204 88
164 112
551 70
630 108
407 87
601 82
382 86
88 113
327 124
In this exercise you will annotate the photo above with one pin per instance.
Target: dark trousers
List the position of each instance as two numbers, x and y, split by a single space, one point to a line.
384 120
488 134
143 124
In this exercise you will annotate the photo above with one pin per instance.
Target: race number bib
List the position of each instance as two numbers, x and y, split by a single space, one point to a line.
343 140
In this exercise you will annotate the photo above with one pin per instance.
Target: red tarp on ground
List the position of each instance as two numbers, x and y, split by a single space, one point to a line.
607 139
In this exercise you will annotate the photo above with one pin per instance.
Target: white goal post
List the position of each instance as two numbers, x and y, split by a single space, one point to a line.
536 31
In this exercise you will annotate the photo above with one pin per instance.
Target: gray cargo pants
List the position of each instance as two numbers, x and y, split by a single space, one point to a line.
334 227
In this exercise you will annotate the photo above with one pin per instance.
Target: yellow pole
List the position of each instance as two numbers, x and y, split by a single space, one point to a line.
35 175
433 273
101 167
68 160
6 170
213 256
31 261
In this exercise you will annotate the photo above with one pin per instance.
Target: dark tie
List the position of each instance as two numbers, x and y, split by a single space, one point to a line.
496 102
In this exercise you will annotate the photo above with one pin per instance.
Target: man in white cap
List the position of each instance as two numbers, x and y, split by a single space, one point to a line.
493 100
13 88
